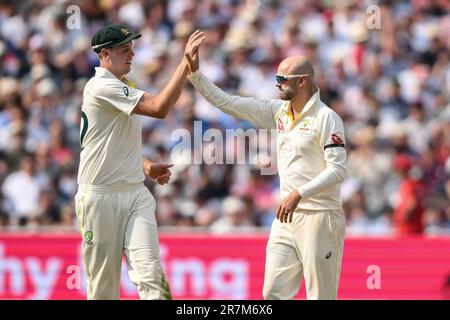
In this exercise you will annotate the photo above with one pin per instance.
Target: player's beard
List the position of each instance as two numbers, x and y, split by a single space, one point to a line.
287 94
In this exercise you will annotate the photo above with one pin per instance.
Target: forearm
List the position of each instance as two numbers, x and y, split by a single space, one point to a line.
213 94
328 178
172 91
258 112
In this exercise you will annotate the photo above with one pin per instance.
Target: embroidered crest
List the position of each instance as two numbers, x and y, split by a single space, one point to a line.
305 125
88 235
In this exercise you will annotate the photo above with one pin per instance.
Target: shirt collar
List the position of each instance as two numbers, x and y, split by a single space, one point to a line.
99 72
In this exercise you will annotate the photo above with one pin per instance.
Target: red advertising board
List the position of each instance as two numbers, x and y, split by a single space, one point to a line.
44 266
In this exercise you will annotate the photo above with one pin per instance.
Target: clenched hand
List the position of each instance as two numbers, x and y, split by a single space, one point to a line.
158 171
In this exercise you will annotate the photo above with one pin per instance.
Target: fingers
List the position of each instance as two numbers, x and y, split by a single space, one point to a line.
193 48
164 175
284 214
194 41
196 38
279 212
164 178
195 34
162 181
191 64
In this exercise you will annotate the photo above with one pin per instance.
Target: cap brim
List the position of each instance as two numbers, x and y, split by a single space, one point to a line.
127 39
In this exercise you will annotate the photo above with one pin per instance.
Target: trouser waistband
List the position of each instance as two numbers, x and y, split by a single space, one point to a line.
91 188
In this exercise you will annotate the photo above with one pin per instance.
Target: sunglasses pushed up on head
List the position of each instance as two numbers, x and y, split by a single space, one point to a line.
281 78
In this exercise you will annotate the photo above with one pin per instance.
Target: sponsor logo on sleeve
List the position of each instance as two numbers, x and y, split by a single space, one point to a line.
336 139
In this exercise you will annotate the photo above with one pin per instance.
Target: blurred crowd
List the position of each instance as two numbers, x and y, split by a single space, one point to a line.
382 65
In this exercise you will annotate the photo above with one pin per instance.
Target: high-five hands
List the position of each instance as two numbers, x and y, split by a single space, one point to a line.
285 210
191 51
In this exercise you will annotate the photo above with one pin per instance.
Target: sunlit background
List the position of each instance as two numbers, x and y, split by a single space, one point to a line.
383 66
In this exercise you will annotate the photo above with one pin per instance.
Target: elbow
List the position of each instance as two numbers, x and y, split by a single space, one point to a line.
342 174
160 115
163 114
161 111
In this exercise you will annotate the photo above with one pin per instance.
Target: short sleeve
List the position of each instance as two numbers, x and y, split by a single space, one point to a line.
331 134
119 95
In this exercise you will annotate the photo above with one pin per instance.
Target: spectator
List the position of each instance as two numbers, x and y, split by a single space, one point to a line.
21 191
390 85
235 215
409 209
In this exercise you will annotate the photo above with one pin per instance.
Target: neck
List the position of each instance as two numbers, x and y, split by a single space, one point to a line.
299 101
108 67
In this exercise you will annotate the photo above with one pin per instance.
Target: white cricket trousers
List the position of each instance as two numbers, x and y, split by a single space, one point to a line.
117 220
310 247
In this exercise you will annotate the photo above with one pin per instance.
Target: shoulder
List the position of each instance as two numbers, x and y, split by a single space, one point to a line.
277 106
277 103
103 86
325 113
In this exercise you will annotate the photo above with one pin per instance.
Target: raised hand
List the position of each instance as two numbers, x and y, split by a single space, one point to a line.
191 50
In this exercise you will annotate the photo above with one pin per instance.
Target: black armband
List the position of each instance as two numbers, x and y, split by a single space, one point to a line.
334 145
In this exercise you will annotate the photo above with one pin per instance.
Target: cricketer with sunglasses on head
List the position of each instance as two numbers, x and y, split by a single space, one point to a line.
307 236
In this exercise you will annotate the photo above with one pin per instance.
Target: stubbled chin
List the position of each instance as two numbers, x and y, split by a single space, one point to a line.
283 97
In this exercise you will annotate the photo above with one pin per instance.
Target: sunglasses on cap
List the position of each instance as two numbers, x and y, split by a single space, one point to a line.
281 78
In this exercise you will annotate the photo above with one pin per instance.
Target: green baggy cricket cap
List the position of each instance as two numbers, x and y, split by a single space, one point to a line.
112 36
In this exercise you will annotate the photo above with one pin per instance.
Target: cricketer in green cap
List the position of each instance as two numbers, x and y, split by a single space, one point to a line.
112 36
112 44
115 210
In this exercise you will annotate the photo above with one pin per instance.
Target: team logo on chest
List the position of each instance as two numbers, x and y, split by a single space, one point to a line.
305 125
88 235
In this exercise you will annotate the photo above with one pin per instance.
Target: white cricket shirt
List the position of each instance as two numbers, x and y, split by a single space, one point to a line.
311 151
110 135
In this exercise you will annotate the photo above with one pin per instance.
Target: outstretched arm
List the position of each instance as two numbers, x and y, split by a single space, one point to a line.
259 112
